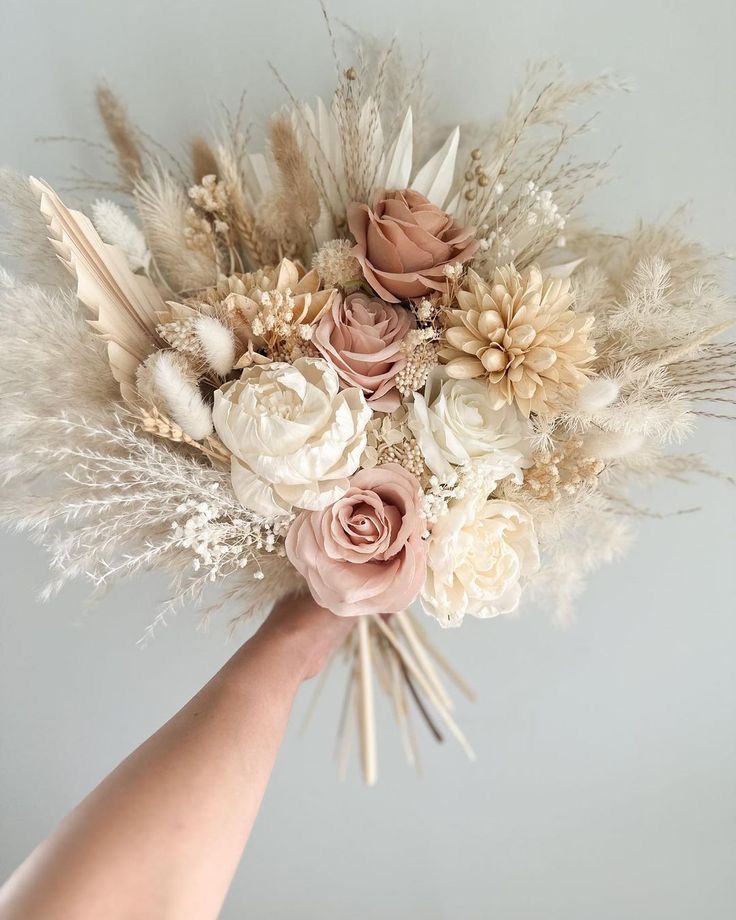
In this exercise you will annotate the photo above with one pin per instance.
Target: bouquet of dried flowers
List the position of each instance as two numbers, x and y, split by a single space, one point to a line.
344 362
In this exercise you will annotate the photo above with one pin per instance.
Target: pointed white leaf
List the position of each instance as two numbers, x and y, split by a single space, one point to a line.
259 181
563 270
434 179
400 159
454 206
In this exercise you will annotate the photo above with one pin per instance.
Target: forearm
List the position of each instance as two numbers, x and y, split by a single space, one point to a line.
162 835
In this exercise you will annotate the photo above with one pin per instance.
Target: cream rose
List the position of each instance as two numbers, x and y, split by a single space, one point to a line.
295 437
455 423
478 556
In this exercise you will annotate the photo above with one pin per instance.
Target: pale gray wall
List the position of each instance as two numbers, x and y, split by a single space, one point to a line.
607 753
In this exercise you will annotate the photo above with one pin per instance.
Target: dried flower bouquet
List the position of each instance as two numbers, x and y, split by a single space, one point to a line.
346 364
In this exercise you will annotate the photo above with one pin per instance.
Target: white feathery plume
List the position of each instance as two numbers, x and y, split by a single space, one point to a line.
612 445
168 382
217 343
116 228
598 393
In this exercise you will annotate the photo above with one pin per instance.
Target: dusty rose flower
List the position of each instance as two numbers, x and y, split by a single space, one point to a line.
361 338
405 242
364 553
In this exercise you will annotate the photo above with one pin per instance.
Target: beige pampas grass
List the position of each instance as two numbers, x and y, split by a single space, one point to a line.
298 195
122 134
204 161
232 159
163 208
24 244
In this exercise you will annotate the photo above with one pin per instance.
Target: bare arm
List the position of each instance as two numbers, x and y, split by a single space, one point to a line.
162 835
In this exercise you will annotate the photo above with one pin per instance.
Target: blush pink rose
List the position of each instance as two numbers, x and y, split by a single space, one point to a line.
361 338
365 553
404 243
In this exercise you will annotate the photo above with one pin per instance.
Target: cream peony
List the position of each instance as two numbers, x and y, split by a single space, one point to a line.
455 423
294 435
478 556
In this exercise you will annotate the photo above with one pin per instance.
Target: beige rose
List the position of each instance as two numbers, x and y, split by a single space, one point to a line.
365 553
361 338
404 243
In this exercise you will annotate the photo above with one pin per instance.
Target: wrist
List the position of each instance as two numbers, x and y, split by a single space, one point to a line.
304 634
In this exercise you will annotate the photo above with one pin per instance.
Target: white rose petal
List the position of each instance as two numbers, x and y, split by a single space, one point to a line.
479 555
455 423
294 435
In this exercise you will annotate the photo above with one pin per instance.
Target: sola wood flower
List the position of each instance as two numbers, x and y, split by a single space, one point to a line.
294 436
479 554
521 332
456 423
361 338
257 303
404 242
365 553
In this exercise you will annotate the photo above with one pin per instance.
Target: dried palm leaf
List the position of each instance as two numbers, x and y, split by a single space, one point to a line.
124 306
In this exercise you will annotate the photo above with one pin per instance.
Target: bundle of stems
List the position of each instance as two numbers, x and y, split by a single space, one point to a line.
394 653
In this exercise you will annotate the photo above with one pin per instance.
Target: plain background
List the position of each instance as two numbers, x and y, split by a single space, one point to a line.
605 783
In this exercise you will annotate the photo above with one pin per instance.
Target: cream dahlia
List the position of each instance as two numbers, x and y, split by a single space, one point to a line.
521 333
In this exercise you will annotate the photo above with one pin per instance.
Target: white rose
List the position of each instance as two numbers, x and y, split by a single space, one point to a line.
295 436
455 424
479 554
